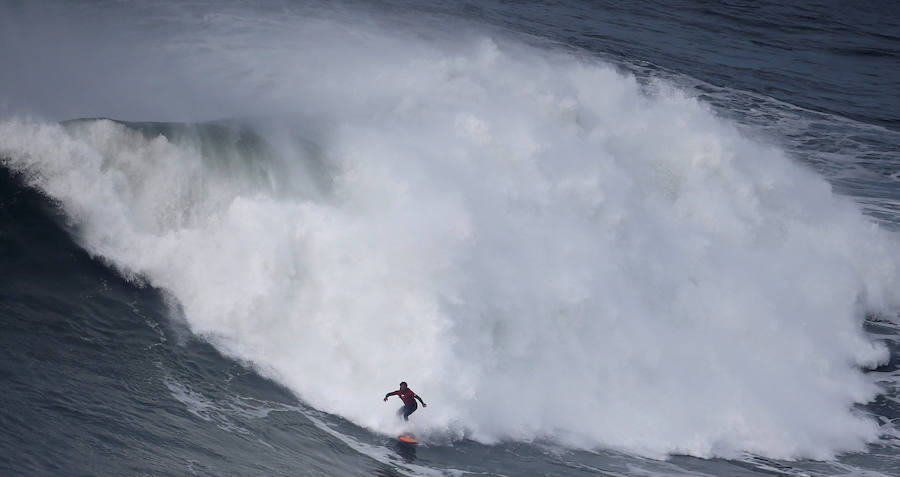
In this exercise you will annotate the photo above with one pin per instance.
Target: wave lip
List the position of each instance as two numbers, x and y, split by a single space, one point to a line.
539 246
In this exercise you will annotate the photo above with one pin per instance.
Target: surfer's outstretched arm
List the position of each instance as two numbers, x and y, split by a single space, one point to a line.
393 393
421 401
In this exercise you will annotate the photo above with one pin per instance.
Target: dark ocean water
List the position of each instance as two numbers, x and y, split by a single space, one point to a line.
173 344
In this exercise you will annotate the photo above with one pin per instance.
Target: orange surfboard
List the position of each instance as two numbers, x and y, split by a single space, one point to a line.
408 438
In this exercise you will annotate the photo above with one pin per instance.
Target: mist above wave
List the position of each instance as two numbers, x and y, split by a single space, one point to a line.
540 246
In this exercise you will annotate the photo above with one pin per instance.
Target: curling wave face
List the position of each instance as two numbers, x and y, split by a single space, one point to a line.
542 247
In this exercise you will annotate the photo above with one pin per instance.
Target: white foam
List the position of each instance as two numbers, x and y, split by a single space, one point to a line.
538 247
383 454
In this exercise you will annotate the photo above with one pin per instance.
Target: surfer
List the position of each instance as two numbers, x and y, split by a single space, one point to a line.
409 400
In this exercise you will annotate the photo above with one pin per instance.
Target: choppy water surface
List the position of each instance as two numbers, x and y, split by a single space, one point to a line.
598 239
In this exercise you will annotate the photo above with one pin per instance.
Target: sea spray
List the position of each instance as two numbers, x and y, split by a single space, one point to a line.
536 243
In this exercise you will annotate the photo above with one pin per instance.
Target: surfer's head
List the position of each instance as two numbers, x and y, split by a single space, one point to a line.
403 385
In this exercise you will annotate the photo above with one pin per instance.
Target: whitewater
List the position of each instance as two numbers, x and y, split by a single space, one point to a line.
545 246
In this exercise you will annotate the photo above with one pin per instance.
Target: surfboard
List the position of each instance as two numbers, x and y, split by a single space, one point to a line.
408 438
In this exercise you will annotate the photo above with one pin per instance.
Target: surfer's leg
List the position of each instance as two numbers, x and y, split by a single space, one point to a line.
407 410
